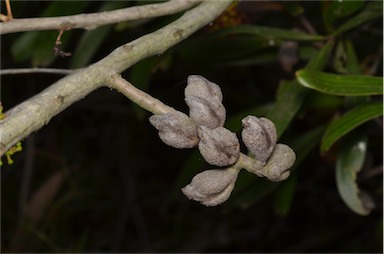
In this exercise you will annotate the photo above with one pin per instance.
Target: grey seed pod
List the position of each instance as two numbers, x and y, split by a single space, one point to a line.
176 129
276 169
259 136
212 187
209 113
218 146
198 86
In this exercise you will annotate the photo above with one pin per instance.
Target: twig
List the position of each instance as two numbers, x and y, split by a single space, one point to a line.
9 16
308 26
9 9
56 48
93 20
35 70
37 111
139 97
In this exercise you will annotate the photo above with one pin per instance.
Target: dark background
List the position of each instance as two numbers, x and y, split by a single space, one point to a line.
121 191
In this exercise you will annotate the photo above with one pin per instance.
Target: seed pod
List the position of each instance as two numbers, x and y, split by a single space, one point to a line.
209 113
218 146
198 86
176 129
212 187
259 136
276 169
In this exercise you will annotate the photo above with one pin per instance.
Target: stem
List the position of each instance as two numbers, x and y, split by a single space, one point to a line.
250 164
139 97
37 111
94 20
276 168
35 70
9 9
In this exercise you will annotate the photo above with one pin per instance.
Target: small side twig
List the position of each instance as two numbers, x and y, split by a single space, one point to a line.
35 70
9 16
9 9
56 48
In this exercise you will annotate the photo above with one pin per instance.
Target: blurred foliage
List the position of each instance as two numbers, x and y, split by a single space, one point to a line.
314 68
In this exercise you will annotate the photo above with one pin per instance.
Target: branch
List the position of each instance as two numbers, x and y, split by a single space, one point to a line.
37 111
139 97
93 20
35 70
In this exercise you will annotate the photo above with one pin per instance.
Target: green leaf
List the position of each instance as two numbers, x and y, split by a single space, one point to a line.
257 58
345 85
352 63
320 60
88 44
341 9
371 11
292 97
212 48
350 121
271 33
340 58
43 54
39 45
22 48
350 160
287 105
91 40
284 196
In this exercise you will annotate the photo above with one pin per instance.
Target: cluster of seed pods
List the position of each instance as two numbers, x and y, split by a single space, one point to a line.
203 127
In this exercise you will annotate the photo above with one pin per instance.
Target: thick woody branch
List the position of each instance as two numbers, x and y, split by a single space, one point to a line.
93 20
37 111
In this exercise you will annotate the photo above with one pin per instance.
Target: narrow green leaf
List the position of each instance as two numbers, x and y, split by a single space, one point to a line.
271 33
22 48
344 85
350 121
371 11
38 45
257 58
352 63
290 100
43 54
91 40
350 160
88 44
287 105
340 9
321 59
340 58
208 49
284 196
